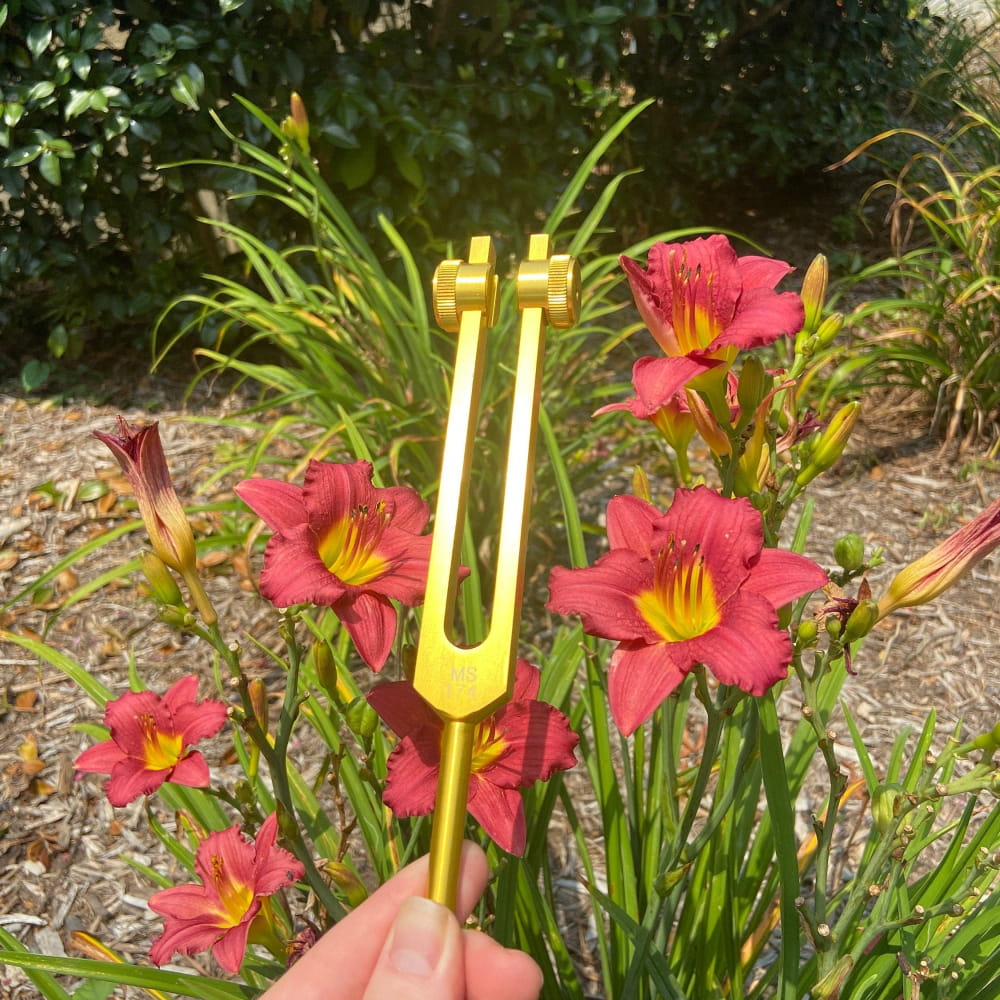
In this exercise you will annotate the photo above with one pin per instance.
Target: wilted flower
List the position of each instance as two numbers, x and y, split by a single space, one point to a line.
935 571
140 454
524 741
343 543
693 585
222 912
151 740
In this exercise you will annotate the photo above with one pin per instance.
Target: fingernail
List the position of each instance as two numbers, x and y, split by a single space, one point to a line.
418 936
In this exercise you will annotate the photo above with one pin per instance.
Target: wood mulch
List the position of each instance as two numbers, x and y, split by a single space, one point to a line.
62 846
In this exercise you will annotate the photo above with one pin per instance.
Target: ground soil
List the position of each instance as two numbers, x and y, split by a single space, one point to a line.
62 845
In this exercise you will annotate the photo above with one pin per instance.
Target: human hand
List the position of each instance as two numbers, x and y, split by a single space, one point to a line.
397 945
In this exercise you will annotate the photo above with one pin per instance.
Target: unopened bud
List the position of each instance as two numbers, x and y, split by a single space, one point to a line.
988 741
347 881
832 442
833 626
828 329
813 293
258 701
753 385
640 484
162 584
849 551
861 621
326 667
296 126
886 802
806 633
361 719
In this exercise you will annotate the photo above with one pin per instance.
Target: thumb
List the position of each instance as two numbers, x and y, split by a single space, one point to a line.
422 957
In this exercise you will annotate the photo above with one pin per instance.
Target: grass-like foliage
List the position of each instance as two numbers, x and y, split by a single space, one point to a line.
343 330
938 330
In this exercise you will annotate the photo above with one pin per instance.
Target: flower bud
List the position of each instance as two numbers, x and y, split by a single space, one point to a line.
833 626
753 385
813 293
162 584
326 667
347 881
988 741
828 329
295 127
832 442
258 701
362 719
861 621
886 801
806 633
937 570
849 551
640 484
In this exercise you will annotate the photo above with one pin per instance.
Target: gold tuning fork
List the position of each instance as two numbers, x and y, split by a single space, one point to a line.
466 684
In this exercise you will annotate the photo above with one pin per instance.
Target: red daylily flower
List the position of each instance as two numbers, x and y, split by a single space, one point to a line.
524 741
699 300
935 571
151 740
140 454
236 875
693 585
343 543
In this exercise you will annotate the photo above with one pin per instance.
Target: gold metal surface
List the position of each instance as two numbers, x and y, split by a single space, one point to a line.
466 684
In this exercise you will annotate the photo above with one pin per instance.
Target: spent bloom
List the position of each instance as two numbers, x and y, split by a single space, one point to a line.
140 455
524 741
342 543
692 585
229 907
151 741
935 571
700 300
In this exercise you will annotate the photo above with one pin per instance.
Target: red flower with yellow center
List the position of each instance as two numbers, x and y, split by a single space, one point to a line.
693 585
229 906
343 543
524 741
699 300
151 740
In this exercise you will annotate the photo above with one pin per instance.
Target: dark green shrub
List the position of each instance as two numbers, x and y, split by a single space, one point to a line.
447 118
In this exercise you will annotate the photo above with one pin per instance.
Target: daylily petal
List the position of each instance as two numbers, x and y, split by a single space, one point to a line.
330 490
278 504
231 947
371 622
747 649
500 812
294 573
401 708
541 743
411 773
640 676
603 595
274 867
630 523
130 779
191 770
783 577
764 316
100 758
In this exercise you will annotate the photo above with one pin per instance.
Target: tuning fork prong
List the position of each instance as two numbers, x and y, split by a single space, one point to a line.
465 684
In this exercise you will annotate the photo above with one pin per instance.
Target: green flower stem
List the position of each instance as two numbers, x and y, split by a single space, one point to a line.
276 755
